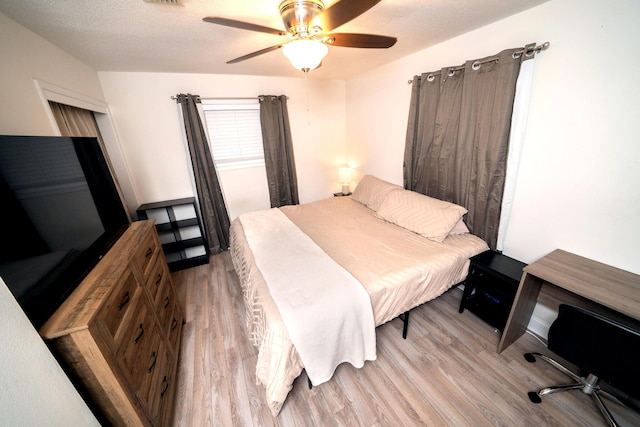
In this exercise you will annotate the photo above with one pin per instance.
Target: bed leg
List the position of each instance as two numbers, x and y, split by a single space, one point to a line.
405 319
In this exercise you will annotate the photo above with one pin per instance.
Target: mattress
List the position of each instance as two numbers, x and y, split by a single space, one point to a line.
398 268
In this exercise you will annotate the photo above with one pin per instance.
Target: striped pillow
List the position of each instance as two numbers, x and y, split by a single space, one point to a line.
371 191
429 217
459 228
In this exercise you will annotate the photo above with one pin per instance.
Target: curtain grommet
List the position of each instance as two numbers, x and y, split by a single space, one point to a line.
475 66
516 55
431 78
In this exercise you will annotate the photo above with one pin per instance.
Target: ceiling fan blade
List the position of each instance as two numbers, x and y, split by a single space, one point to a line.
362 40
254 54
342 12
243 25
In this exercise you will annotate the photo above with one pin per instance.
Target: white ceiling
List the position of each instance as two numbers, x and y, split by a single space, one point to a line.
138 35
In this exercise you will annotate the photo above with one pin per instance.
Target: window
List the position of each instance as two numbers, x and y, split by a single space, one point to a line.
235 134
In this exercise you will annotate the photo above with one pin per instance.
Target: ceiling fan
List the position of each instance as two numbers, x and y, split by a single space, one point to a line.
308 27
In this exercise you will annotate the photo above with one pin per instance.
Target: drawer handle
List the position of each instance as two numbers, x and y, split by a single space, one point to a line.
165 386
159 279
155 359
125 301
166 302
135 341
149 253
174 324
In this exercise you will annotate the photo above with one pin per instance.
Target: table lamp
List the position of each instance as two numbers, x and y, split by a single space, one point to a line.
344 176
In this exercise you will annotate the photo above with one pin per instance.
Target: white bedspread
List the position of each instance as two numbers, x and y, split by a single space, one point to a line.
326 311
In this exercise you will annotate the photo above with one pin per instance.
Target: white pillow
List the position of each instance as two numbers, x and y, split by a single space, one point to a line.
371 191
459 228
429 217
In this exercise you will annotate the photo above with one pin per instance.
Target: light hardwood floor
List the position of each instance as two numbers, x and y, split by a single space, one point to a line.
446 373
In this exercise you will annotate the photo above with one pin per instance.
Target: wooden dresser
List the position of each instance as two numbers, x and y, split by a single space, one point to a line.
118 334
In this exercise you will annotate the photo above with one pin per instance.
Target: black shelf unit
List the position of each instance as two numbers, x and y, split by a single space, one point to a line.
180 231
491 286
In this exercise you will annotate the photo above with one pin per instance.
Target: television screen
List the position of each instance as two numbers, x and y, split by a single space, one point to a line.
62 212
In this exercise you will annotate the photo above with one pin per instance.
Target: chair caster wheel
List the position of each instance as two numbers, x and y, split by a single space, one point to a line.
529 357
533 396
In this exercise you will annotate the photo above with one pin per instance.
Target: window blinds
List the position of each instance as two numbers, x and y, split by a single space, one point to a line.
235 135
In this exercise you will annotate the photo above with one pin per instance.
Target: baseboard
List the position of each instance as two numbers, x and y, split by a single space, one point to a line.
541 320
539 327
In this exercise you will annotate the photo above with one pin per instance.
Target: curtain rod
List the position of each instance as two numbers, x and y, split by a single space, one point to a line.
175 97
477 64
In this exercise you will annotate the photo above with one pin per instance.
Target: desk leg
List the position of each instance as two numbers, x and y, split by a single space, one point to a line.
521 310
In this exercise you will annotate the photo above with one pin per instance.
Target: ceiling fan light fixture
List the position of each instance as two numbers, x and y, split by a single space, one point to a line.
298 16
305 54
309 25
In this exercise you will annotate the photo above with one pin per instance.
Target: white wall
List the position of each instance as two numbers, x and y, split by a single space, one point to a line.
577 187
34 391
25 57
149 125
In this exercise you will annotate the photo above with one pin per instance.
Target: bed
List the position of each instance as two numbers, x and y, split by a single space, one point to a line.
403 248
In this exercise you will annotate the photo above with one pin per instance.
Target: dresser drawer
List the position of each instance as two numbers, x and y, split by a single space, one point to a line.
165 407
155 387
146 254
175 329
158 276
140 340
114 315
165 302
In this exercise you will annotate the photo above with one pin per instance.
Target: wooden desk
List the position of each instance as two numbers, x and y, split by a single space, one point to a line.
611 287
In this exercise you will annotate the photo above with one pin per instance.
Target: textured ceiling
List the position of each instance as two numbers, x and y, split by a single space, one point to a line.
137 35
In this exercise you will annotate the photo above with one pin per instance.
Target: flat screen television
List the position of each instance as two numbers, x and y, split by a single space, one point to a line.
61 212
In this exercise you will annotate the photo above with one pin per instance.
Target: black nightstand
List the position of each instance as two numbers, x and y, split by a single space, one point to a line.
340 194
491 286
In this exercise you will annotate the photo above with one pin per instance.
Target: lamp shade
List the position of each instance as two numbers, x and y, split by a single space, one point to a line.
344 175
305 54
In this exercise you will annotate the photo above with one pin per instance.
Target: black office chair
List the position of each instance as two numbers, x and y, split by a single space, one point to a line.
602 348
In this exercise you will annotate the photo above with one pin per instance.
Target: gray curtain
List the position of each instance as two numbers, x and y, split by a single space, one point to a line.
278 151
458 136
211 201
